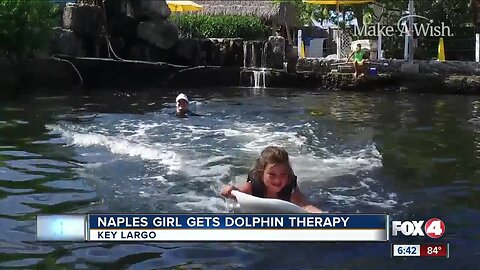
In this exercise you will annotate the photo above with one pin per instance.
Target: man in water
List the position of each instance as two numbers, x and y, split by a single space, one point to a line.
358 60
182 107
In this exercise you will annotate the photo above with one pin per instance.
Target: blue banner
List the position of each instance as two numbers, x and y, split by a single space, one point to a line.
237 221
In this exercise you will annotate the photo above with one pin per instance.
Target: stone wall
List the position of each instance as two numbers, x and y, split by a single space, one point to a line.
131 24
139 30
324 66
229 52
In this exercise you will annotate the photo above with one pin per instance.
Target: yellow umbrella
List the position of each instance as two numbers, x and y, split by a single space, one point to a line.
340 2
337 2
183 6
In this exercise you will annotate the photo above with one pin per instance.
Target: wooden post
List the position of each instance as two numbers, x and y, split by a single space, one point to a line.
379 47
299 41
477 47
411 10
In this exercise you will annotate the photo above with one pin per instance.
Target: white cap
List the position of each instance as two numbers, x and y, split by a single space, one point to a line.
182 96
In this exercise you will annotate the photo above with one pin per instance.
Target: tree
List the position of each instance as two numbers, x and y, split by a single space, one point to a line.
25 27
475 12
451 12
307 11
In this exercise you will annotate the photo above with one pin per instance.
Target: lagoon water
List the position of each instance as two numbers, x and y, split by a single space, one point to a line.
413 156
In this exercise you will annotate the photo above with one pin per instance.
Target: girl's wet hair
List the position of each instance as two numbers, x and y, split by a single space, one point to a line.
272 155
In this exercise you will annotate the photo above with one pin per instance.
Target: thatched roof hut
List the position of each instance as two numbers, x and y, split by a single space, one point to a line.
275 13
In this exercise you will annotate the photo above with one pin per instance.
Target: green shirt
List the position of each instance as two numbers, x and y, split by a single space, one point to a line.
358 56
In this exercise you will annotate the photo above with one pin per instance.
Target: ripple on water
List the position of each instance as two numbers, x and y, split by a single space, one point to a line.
18 205
18 154
121 145
7 174
22 263
68 185
34 165
111 254
16 190
17 231
204 256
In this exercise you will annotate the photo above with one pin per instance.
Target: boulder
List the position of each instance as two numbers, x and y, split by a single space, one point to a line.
234 52
150 10
223 51
160 33
66 42
291 56
84 20
49 73
206 77
275 52
188 52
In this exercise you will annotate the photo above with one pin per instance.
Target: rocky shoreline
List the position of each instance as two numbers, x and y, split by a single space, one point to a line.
83 57
64 73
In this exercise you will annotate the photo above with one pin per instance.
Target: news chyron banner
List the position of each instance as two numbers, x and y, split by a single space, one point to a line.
213 227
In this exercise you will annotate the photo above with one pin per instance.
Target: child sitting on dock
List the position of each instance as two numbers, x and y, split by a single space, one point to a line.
358 60
273 177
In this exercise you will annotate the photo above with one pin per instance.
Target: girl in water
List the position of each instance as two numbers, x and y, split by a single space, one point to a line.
273 177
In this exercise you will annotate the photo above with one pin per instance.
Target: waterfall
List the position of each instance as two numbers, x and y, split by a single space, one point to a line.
254 56
259 78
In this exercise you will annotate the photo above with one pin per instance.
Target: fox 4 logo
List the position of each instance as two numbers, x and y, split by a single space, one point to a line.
434 228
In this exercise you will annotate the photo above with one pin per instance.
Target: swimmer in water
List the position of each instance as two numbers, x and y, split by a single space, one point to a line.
273 177
182 107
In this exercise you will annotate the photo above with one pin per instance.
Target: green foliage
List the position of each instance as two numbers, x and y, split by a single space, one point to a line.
307 11
25 27
225 26
455 13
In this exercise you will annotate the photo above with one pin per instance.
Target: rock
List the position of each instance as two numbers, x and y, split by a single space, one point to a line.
144 52
206 77
84 20
114 73
188 52
316 65
223 52
160 33
463 84
123 26
217 56
409 68
291 55
66 42
395 66
150 10
234 52
275 52
49 73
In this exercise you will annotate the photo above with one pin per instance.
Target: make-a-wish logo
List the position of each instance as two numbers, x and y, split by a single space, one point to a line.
422 26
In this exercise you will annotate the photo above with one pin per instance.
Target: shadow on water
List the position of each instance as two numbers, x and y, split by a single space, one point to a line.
413 156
